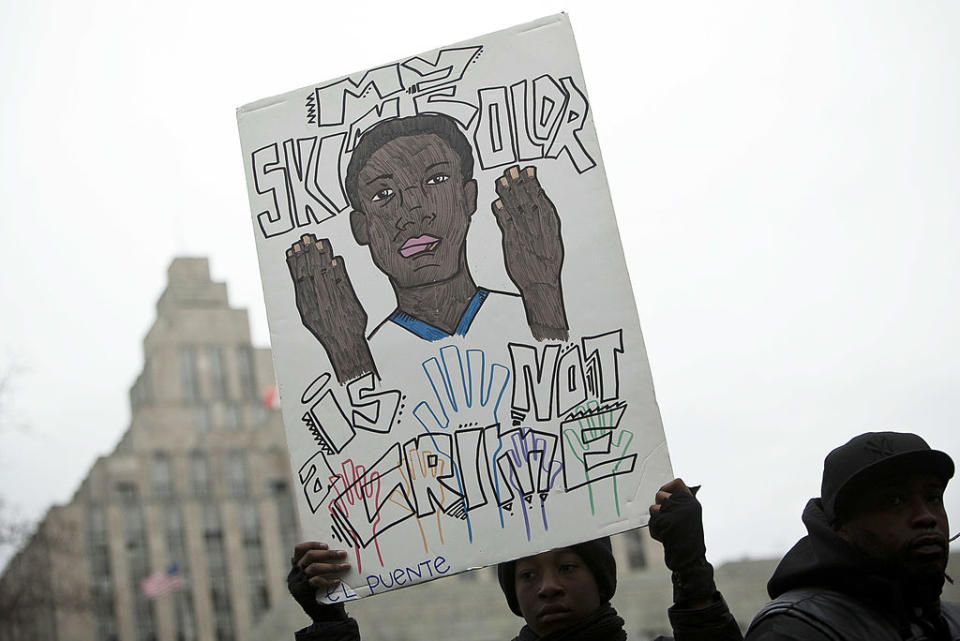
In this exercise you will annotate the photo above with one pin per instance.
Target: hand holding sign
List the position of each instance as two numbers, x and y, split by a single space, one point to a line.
316 567
532 249
329 307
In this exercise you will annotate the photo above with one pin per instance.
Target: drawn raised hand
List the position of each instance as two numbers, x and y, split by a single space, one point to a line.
601 447
529 464
463 392
329 306
532 249
429 470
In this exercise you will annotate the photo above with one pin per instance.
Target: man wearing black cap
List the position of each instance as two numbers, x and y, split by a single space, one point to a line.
872 566
562 594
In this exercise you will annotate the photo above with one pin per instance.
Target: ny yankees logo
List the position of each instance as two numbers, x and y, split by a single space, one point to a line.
879 447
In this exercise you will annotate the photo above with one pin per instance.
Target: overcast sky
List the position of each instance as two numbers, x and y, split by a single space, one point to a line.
786 177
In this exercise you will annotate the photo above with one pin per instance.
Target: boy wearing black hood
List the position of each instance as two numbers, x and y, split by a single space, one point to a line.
872 566
562 594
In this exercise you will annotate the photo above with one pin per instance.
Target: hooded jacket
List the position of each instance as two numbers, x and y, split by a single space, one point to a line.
827 590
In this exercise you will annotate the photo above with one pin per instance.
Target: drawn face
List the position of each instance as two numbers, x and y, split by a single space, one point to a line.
900 521
554 590
416 210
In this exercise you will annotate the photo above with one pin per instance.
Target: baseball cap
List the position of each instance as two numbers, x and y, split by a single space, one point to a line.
876 452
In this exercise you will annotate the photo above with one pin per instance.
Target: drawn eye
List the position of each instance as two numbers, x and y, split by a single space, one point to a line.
436 179
383 194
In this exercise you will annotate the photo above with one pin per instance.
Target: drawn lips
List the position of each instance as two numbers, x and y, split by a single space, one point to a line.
418 245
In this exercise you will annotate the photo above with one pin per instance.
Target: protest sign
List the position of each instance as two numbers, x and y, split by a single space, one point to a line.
461 370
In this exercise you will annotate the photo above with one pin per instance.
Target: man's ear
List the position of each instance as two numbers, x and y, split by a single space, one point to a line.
470 192
358 223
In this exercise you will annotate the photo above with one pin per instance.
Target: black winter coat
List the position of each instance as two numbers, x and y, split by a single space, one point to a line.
826 590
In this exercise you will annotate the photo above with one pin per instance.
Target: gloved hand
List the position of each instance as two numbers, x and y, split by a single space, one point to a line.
676 521
313 568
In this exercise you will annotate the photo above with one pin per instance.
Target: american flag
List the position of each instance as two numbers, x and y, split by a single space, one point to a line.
161 583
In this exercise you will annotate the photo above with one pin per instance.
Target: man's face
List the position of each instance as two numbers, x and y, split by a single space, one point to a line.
900 521
555 589
415 210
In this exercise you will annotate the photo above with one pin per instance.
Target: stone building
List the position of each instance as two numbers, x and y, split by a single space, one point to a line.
200 479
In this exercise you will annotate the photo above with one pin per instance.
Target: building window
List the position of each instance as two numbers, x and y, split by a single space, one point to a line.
162 475
202 418
636 554
231 417
176 538
143 616
100 561
200 474
248 377
287 515
101 579
135 538
218 379
223 624
217 570
97 524
253 555
126 493
188 374
237 473
186 624
186 629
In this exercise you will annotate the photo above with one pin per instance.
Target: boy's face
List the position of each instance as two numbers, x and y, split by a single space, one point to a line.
414 210
555 589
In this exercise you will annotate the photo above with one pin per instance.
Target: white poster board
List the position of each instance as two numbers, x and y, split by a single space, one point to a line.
462 375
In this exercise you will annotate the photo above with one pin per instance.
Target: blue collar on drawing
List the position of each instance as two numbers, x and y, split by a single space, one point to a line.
428 332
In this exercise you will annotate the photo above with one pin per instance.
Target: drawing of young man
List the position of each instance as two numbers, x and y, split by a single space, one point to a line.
411 186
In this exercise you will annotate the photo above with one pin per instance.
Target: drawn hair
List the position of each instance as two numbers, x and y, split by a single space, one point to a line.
383 132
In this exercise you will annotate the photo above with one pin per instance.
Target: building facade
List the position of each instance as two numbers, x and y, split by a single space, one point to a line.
199 481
